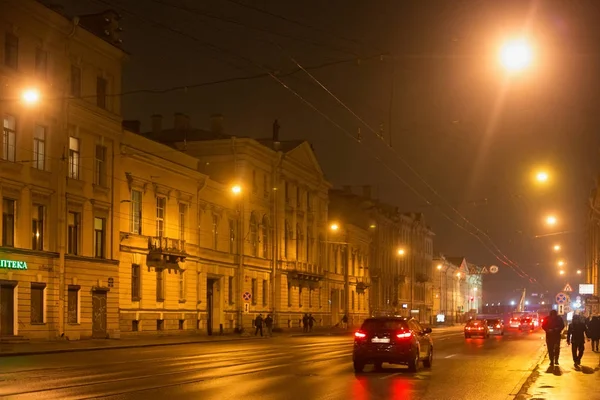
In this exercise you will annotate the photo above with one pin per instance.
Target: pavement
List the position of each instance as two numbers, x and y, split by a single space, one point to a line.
565 381
282 367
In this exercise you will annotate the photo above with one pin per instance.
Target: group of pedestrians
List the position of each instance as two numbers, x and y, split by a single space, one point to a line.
308 321
267 322
579 329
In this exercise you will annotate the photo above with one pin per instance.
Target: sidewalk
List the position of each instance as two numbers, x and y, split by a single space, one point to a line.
565 381
67 346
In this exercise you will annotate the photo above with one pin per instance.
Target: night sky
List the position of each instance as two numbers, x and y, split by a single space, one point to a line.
473 135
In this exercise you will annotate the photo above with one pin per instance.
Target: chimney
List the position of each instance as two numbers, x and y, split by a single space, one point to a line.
156 123
216 123
181 122
276 128
347 189
367 189
131 125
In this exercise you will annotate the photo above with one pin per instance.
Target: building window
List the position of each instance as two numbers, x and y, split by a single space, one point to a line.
73 304
254 290
215 231
231 236
135 325
300 296
308 201
254 183
298 241
74 222
298 197
286 240
74 158
161 203
9 138
183 209
41 62
265 295
310 295
101 86
136 212
309 243
181 324
136 282
265 236
37 227
99 235
8 222
100 166
287 192
75 81
289 294
37 303
160 285
254 234
160 324
11 51
39 147
230 291
265 186
181 285
352 301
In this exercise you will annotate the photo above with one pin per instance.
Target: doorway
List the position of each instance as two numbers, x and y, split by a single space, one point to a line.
99 314
335 306
7 310
210 304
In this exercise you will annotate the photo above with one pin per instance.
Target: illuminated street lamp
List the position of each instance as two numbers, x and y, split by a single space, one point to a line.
401 252
30 96
561 263
236 189
578 272
562 272
334 227
458 274
556 247
439 266
526 302
551 220
512 303
516 55
542 177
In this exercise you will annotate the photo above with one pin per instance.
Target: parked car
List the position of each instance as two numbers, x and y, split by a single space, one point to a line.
477 327
393 340
495 327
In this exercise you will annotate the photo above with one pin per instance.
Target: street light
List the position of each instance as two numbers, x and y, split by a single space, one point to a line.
30 96
578 272
562 272
516 55
401 252
542 177
556 247
561 263
551 220
236 189
334 227
439 266
512 303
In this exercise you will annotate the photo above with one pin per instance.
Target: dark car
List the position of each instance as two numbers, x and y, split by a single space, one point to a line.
495 327
477 327
527 324
393 340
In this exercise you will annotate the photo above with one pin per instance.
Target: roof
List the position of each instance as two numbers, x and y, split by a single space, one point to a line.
284 145
455 260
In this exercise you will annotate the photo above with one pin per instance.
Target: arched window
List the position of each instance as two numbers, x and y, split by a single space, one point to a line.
286 242
309 243
254 234
265 236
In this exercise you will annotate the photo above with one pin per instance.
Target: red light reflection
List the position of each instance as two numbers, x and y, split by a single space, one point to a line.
401 389
359 388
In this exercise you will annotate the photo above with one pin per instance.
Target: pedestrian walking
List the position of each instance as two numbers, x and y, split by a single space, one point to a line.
576 335
311 322
305 323
345 321
269 325
553 326
594 328
258 323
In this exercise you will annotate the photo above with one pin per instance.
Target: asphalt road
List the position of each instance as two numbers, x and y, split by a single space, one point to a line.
274 368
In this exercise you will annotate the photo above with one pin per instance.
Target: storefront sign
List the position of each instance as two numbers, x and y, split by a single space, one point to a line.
10 264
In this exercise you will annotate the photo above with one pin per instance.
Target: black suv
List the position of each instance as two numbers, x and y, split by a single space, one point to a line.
395 340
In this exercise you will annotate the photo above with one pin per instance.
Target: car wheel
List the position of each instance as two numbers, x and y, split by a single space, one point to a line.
429 360
413 364
378 366
359 366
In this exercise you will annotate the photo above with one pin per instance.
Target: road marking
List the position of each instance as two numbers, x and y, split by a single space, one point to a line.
391 375
445 338
451 355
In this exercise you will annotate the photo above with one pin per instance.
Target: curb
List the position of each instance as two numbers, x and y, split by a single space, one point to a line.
517 391
118 347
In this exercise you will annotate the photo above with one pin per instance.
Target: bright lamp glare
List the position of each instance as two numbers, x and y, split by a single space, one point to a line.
31 96
516 55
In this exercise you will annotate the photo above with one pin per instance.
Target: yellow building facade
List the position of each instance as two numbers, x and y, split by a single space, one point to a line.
61 130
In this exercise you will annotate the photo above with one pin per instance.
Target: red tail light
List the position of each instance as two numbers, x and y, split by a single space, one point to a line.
360 335
404 335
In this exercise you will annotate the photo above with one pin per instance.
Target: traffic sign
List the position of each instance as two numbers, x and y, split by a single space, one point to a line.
561 309
568 288
247 296
561 298
493 269
484 270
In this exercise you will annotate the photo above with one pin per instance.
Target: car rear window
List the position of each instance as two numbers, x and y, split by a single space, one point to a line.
493 321
475 322
375 324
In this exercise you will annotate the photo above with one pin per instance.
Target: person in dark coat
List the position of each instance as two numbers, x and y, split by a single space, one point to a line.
305 323
594 328
553 325
576 335
258 323
311 322
269 325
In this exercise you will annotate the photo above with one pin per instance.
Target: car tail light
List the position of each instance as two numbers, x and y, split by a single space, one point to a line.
404 335
360 335
480 328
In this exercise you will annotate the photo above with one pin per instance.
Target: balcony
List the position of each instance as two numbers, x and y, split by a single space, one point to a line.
362 283
166 250
303 272
422 278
